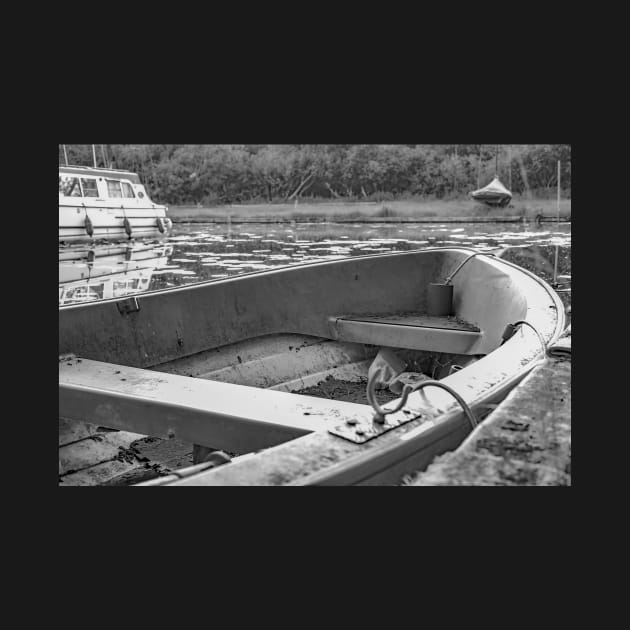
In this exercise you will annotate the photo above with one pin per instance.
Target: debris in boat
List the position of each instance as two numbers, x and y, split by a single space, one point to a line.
347 391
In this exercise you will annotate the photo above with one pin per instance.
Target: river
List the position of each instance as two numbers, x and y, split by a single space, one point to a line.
197 252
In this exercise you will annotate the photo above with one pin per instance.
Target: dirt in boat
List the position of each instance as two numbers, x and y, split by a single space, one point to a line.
347 391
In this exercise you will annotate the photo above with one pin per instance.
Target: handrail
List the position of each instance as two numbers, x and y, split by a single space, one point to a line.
450 277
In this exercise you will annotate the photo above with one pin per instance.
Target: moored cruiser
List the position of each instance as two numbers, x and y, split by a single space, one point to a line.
101 203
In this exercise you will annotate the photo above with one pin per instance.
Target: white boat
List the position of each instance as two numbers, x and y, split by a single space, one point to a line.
101 203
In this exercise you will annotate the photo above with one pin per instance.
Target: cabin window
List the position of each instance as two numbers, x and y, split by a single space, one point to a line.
113 188
69 186
127 190
89 187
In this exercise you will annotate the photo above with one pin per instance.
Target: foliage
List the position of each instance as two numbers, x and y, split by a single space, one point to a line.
205 174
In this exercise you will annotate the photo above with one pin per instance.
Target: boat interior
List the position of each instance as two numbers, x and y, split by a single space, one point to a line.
219 364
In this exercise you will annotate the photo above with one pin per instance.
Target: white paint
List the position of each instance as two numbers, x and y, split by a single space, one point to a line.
418 430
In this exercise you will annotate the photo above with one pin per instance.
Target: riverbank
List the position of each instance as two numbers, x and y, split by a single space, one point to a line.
526 441
428 211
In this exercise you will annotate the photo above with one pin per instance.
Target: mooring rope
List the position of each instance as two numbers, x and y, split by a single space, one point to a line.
510 329
458 398
380 414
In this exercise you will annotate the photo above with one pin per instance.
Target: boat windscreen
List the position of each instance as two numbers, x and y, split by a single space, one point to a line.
69 186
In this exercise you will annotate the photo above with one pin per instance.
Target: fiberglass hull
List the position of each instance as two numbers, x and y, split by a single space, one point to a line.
239 339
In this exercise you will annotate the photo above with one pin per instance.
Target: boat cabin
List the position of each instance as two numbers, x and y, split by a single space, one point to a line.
105 203
82 184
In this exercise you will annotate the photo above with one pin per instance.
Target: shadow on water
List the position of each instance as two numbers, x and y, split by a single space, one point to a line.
200 252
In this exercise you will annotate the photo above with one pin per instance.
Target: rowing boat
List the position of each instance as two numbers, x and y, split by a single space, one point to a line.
230 367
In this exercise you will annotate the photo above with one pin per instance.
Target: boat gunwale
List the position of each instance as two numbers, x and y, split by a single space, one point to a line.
284 268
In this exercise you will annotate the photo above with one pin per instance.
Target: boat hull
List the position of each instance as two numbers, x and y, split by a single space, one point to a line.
83 223
229 334
494 194
497 199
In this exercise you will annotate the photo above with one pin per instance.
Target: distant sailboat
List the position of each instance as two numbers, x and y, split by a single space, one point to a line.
494 194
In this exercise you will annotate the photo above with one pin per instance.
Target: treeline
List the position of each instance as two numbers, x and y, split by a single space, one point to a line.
257 173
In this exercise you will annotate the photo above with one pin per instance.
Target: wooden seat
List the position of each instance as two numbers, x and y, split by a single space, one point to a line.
236 418
413 331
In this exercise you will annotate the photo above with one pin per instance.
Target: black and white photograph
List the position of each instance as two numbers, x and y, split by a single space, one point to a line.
314 315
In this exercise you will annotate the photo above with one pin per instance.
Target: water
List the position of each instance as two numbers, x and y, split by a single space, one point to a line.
199 252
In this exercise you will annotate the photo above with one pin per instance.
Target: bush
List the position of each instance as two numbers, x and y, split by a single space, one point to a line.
381 195
211 174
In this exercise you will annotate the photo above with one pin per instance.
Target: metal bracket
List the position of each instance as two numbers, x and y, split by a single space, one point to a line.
129 305
360 432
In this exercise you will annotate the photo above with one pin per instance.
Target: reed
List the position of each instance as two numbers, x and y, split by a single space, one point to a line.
392 210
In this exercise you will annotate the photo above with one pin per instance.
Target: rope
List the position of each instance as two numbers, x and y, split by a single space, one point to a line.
458 398
380 414
510 329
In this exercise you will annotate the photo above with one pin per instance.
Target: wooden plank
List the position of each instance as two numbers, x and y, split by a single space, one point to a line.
93 450
145 459
70 431
231 417
102 473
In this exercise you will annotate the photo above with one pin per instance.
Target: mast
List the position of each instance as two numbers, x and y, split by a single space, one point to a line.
479 164
94 155
558 204
65 154
555 262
